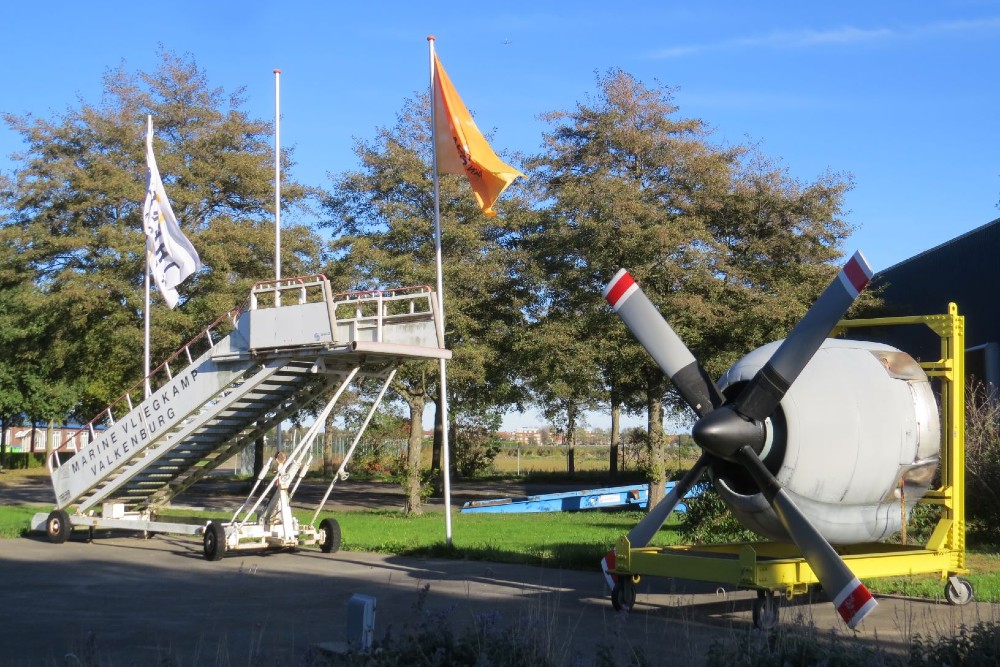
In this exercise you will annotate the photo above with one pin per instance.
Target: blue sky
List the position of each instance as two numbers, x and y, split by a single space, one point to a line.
901 95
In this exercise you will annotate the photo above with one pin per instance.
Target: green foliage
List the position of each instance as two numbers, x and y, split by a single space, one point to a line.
978 646
433 641
635 451
382 220
798 645
476 447
439 638
424 480
15 520
984 564
714 234
709 521
922 522
22 460
982 461
72 241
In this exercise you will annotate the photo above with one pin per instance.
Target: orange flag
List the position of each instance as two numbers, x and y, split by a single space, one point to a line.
462 149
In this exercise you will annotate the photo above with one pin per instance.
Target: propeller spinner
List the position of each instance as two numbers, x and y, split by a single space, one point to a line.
735 431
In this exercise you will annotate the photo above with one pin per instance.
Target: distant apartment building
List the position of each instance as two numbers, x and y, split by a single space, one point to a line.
532 437
24 439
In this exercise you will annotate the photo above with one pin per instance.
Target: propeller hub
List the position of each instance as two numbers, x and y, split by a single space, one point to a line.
723 432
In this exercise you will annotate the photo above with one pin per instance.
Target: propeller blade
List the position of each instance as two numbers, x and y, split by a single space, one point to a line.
693 383
643 532
762 395
851 598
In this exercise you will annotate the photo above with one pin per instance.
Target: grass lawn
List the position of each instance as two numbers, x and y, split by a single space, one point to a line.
15 520
559 539
984 577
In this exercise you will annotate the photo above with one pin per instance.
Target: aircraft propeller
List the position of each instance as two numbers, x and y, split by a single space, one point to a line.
734 431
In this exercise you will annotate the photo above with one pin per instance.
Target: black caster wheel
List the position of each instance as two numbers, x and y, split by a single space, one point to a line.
623 594
58 527
765 611
331 536
959 591
214 541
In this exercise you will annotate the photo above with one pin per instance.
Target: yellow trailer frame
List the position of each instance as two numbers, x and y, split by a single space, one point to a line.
778 568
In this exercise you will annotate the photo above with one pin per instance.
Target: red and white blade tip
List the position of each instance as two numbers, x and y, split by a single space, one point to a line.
608 563
854 603
621 287
856 274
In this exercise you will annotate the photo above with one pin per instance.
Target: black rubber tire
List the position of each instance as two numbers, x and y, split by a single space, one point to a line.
960 595
765 611
58 527
214 542
331 537
623 594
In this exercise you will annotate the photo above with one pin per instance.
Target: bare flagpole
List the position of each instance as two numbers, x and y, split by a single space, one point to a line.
277 209
277 175
445 462
145 359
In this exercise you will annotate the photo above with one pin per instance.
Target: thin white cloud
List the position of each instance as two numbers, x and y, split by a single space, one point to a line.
806 38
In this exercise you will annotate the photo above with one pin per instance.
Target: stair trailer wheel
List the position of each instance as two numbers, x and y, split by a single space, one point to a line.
331 535
58 526
214 541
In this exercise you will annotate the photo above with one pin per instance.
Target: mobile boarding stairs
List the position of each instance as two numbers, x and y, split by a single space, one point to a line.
293 343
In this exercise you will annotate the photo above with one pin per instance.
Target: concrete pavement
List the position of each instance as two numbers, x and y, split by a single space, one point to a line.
141 602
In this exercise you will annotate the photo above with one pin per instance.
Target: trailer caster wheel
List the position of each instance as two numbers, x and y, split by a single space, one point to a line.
959 591
214 541
58 527
623 594
765 611
331 536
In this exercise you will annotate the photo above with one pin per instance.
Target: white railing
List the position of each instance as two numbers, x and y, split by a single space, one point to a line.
363 309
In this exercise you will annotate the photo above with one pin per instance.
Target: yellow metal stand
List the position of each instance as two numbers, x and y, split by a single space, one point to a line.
780 568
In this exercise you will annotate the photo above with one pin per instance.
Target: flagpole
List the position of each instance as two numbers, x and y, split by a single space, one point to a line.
277 209
145 356
277 175
145 365
445 459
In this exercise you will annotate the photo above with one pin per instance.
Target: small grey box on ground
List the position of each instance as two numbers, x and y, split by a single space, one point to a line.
360 621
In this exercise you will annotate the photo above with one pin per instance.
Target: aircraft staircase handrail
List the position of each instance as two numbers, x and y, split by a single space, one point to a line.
108 414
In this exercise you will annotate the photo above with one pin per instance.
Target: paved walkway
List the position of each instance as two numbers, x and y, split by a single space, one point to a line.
137 602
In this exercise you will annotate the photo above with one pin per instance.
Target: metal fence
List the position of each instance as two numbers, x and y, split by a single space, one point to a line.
243 463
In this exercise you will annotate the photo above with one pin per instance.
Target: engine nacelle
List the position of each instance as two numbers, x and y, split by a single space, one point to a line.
855 442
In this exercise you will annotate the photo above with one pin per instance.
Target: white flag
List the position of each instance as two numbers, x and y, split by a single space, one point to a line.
170 256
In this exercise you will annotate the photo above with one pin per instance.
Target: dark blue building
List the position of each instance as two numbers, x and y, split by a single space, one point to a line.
964 270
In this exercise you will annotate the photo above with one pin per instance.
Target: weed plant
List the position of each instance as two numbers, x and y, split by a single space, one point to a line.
533 639
975 646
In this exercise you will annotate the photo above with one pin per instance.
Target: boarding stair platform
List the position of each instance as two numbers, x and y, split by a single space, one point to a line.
291 343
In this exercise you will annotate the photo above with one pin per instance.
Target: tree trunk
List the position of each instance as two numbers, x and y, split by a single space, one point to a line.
3 441
615 439
50 432
437 491
571 440
654 411
258 453
413 453
328 436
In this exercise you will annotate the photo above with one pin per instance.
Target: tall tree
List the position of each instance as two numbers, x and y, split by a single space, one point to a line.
382 217
728 246
72 220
